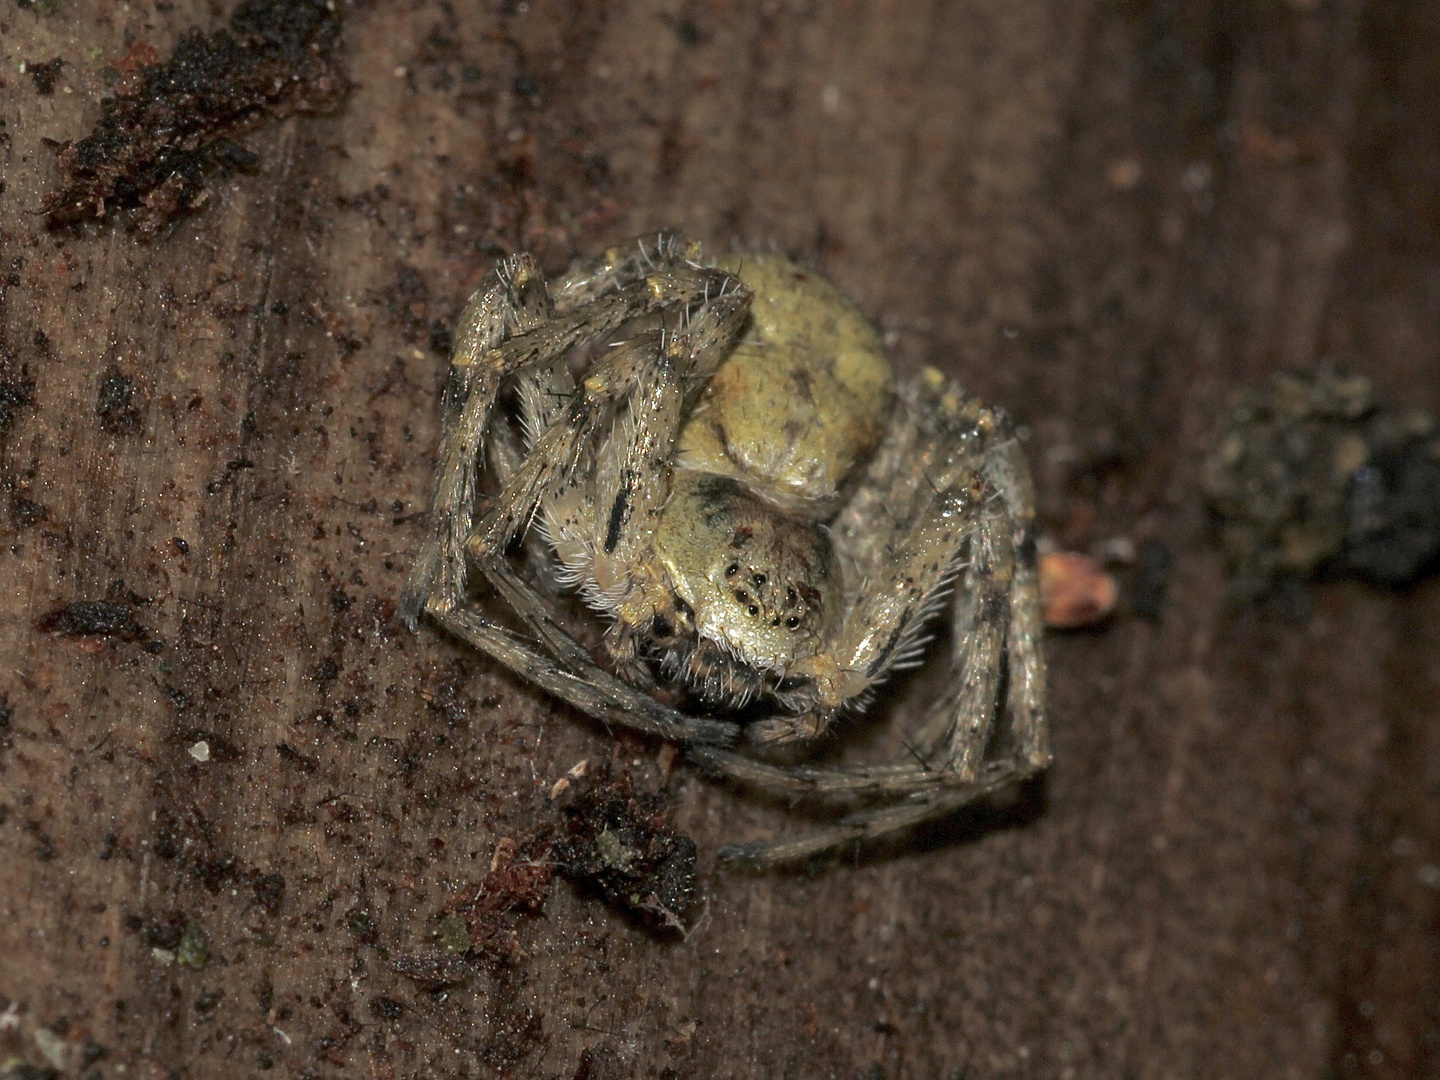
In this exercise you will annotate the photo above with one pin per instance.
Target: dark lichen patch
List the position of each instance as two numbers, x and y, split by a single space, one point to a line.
1316 473
270 892
618 843
44 75
115 404
479 929
518 882
171 124
26 513
17 391
93 618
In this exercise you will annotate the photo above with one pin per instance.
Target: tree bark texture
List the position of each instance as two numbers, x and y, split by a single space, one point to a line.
1104 217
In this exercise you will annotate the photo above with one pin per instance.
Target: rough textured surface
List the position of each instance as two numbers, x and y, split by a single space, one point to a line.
216 849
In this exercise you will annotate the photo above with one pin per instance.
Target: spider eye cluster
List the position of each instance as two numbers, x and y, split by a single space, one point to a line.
779 609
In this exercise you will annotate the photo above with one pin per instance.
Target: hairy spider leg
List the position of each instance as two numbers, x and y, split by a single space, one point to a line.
512 299
650 372
622 265
934 797
937 437
553 463
1007 470
482 360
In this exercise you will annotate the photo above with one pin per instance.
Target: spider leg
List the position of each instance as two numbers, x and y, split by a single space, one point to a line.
936 801
940 447
512 299
483 358
622 265
589 688
1006 468
924 501
649 373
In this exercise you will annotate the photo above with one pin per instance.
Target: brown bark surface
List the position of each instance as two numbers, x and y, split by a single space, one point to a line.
1105 217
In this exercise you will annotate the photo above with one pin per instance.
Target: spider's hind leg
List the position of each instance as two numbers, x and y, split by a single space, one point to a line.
938 439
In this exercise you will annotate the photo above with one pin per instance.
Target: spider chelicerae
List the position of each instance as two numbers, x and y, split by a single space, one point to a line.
769 525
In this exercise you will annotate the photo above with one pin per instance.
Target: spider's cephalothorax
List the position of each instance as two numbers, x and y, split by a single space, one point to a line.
762 517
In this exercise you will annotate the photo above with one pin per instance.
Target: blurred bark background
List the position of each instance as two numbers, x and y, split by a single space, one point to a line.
1104 216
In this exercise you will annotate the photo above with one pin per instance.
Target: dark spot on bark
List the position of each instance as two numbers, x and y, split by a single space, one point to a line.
15 393
1152 579
514 1038
115 404
26 513
384 1008
44 75
688 33
93 618
216 870
304 762
170 124
166 845
442 341
270 892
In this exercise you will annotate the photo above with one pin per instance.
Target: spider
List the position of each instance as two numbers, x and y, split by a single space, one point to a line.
768 524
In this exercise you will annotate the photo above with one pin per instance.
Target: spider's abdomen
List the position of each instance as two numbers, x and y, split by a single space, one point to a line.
803 398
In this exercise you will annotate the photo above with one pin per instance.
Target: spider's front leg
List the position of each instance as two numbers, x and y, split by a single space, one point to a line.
508 327
597 496
885 626
513 300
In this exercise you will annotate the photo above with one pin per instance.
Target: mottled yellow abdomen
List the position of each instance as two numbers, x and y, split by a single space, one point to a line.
802 399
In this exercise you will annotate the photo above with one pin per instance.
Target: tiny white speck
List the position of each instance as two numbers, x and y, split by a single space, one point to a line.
1429 876
200 751
400 73
163 956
